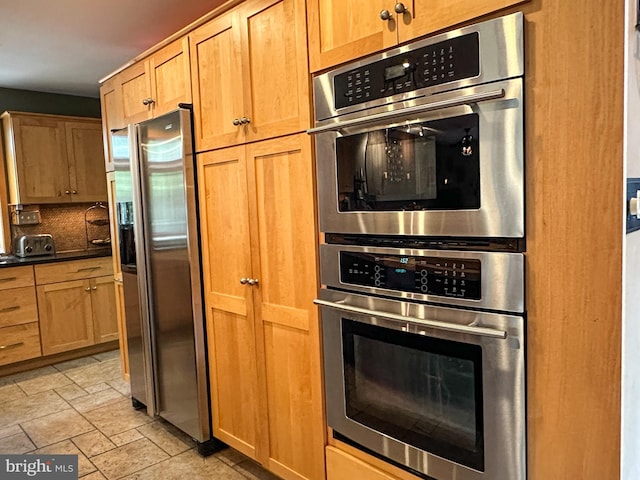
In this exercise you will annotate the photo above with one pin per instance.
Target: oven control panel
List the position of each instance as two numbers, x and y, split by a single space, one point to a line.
448 277
451 60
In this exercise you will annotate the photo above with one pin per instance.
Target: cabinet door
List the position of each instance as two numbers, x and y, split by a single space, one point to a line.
135 89
229 308
217 82
86 166
103 306
40 173
274 49
170 77
283 215
432 15
65 316
343 30
110 104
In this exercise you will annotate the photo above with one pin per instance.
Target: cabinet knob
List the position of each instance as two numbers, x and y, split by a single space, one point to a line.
148 101
67 192
244 281
74 192
236 121
252 281
385 14
245 120
400 8
87 289
94 288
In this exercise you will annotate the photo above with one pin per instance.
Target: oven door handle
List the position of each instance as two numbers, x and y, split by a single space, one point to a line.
452 102
468 329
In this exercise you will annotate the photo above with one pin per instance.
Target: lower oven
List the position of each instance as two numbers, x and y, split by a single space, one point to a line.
436 388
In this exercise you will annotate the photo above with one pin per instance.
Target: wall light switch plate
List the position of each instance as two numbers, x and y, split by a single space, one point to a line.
24 217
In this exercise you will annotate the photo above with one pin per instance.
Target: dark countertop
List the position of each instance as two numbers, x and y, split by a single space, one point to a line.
13 261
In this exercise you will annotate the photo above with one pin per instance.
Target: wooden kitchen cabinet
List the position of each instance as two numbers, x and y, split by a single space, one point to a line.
117 275
249 74
112 116
343 30
76 301
259 264
53 159
156 85
19 327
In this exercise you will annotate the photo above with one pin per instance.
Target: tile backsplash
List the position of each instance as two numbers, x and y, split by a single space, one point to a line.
73 227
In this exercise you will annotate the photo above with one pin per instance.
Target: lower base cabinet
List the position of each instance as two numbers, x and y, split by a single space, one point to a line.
76 304
19 342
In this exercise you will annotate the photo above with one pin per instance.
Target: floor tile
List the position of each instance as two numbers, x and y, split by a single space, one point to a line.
230 456
94 476
76 363
43 383
8 431
126 437
93 443
96 400
29 374
56 427
188 465
97 388
253 471
95 373
71 391
167 437
16 444
31 407
110 355
129 458
117 418
11 392
123 387
66 447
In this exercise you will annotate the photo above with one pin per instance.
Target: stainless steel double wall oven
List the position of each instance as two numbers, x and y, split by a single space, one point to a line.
421 199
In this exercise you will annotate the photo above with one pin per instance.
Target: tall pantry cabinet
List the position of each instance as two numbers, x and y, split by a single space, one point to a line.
255 176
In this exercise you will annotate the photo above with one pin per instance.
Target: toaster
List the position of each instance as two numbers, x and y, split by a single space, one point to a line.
33 245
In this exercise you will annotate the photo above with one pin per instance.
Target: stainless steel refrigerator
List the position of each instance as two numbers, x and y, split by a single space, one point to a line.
156 205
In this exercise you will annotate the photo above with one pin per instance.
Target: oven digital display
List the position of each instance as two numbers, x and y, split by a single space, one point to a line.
448 277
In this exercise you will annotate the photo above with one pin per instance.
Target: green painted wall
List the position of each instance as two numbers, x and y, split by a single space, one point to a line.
40 102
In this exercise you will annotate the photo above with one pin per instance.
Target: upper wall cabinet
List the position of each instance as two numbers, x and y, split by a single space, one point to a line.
343 30
249 74
53 159
145 90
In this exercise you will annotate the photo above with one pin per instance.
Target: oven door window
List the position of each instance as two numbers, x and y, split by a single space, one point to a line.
421 391
423 166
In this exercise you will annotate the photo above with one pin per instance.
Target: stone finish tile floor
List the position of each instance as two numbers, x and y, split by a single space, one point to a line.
83 407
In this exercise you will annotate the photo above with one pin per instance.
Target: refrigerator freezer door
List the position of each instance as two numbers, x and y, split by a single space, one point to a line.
129 216
173 271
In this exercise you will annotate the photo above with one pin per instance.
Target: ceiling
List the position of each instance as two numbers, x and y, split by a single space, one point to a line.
66 46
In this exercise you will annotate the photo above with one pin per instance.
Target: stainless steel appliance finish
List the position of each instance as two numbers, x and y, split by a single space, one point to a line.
492 97
499 453
34 245
501 276
156 206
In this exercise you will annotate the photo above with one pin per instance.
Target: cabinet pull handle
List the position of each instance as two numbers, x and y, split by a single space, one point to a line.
8 279
10 309
87 269
400 8
12 345
117 280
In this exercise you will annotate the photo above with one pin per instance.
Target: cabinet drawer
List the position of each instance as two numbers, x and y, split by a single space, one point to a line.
19 342
73 270
14 277
18 306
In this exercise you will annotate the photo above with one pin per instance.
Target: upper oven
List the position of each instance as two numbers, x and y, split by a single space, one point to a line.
426 139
